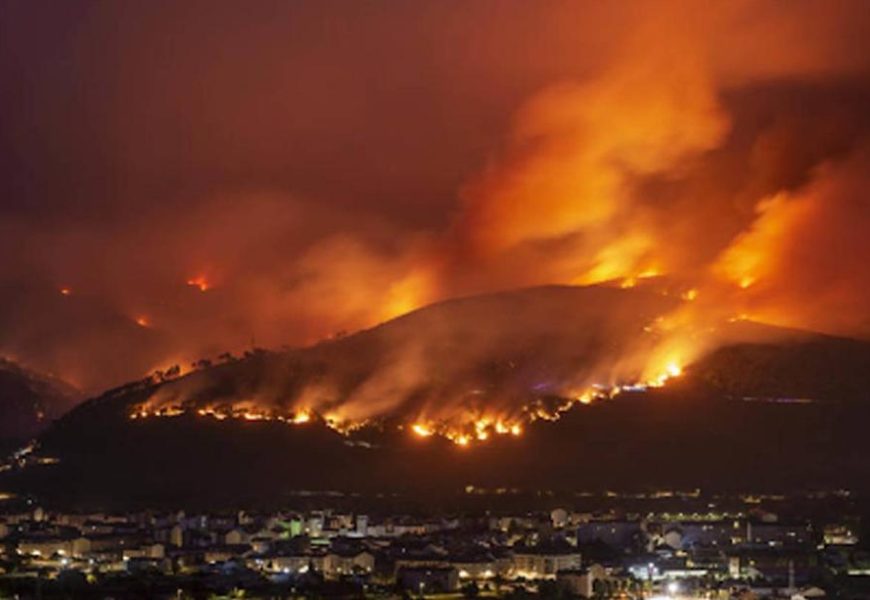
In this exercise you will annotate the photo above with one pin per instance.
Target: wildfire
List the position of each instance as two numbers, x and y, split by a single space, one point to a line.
421 430
200 282
210 412
406 295
481 430
254 416
626 282
143 322
671 371
65 291
464 430
585 398
301 417
221 413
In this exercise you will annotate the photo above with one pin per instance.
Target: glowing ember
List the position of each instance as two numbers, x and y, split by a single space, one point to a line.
65 291
463 429
254 416
671 370
421 430
143 322
301 417
200 282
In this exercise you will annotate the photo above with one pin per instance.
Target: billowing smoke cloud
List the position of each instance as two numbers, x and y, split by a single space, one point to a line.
659 163
578 149
221 180
468 368
804 258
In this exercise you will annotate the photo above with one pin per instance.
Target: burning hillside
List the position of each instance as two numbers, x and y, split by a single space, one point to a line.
433 152
469 369
250 430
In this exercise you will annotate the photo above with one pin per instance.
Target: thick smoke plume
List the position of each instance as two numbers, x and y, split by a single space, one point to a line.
208 199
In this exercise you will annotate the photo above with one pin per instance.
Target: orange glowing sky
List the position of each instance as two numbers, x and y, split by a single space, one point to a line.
189 178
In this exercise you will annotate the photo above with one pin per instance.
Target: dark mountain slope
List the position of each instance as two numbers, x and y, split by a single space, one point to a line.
29 401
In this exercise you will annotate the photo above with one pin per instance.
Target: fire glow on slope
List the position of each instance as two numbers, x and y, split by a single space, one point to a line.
632 173
463 429
725 144
469 370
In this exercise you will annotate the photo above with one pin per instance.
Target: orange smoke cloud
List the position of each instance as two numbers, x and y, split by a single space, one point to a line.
668 142
631 174
578 148
804 259
344 283
667 163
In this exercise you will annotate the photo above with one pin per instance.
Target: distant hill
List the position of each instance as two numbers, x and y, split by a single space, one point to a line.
817 366
29 401
785 411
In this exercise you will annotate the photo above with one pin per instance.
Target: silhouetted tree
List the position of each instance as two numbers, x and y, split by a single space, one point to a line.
202 363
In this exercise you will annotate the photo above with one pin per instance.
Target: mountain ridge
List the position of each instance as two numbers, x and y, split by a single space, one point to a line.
712 426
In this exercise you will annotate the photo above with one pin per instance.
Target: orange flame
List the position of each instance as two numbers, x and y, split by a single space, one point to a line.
476 429
200 282
301 417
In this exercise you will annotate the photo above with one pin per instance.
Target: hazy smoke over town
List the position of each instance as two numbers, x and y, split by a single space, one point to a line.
183 180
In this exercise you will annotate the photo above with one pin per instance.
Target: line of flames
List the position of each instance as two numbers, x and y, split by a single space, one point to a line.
476 430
